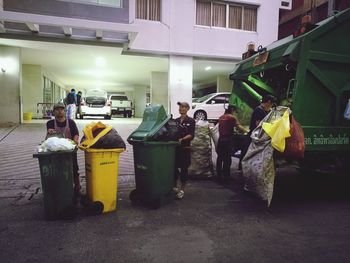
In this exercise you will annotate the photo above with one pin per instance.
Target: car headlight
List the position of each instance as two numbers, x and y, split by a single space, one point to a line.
193 107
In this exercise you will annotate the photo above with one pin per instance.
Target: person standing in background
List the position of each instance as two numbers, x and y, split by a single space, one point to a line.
227 123
78 102
71 101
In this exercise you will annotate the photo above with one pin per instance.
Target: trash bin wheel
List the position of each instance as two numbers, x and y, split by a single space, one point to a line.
134 196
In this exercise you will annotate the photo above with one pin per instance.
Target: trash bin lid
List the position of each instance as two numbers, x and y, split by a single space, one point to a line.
154 118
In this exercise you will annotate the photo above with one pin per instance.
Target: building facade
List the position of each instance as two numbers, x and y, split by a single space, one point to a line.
183 31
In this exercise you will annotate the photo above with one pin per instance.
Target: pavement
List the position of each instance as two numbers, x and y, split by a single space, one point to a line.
308 220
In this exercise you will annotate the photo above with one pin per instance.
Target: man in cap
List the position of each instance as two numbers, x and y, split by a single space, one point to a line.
183 152
65 128
227 123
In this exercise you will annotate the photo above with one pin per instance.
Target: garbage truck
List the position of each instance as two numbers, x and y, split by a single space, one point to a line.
310 73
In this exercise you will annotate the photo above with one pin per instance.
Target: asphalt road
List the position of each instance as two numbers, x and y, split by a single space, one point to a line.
308 220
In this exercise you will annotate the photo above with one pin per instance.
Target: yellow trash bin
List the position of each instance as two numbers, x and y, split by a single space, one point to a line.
101 167
27 116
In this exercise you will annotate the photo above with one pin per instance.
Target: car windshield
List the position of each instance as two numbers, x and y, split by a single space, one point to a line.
204 98
96 93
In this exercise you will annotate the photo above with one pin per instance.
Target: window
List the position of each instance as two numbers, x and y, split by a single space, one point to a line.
148 9
111 3
219 99
222 14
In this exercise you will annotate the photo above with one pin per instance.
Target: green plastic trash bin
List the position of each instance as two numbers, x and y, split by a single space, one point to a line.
56 170
154 161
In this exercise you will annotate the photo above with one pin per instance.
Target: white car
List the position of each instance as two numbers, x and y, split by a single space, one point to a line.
95 103
210 107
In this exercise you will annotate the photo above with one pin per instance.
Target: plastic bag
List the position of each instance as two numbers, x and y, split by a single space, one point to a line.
55 144
295 144
214 133
258 166
278 130
201 151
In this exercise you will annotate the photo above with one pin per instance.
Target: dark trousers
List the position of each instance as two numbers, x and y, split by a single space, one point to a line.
223 162
246 142
182 162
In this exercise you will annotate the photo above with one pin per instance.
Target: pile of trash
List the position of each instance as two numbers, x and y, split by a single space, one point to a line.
201 151
280 132
54 144
101 136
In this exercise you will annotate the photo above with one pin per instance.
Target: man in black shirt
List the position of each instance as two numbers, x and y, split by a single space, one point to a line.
65 128
183 152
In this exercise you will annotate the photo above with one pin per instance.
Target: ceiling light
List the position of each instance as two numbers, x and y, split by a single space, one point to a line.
100 62
207 68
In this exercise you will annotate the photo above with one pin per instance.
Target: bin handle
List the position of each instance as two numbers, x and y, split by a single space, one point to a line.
288 97
91 141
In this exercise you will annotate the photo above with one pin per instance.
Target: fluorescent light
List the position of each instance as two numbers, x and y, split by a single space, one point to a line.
207 68
100 62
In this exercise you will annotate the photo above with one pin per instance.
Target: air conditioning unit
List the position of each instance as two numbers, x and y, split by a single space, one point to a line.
286 4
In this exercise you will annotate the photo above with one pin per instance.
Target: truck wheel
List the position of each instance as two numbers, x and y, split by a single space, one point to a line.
125 114
108 117
129 114
200 115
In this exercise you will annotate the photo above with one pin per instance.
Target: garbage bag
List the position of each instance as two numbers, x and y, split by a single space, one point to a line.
101 136
55 144
278 130
214 133
258 166
171 131
201 151
295 144
258 163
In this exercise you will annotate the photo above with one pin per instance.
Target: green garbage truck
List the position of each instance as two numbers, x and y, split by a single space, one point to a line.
310 73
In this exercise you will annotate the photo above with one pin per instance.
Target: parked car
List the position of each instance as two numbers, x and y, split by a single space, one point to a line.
121 105
209 107
95 103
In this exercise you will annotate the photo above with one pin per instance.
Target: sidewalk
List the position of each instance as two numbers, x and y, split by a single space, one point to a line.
20 175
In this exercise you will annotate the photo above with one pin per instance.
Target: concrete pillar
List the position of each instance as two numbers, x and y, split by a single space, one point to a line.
10 85
224 84
32 82
180 82
140 100
159 89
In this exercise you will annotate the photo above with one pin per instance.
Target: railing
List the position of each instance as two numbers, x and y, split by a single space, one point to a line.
44 110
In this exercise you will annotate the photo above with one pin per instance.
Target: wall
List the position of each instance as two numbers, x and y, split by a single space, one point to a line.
159 89
32 90
73 10
177 33
140 100
10 85
224 84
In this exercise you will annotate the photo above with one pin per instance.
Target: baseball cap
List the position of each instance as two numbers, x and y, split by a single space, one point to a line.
183 104
268 97
59 106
